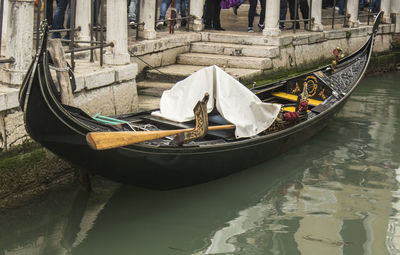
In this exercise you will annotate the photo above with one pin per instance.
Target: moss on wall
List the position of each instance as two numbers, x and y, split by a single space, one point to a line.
379 63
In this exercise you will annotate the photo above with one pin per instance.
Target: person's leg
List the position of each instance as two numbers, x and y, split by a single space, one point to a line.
293 11
58 19
177 6
163 11
252 13
49 12
282 13
262 15
182 10
305 9
132 11
66 37
341 7
163 8
217 20
210 13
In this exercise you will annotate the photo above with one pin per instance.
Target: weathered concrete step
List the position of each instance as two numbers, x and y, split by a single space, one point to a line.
148 103
232 49
177 72
237 38
8 98
224 61
151 88
154 84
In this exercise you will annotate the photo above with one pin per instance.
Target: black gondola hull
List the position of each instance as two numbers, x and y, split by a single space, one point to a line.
164 167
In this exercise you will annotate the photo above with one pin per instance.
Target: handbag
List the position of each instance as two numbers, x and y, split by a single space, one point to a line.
226 4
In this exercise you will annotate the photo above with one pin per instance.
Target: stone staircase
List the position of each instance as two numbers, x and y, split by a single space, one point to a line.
245 61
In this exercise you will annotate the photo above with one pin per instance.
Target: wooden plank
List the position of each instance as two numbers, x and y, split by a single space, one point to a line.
58 56
293 98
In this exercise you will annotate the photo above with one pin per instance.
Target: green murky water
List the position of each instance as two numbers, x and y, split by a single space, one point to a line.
337 194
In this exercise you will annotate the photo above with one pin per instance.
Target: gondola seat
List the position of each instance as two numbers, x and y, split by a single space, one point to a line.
293 98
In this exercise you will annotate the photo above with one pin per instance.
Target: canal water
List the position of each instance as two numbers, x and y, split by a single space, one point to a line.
337 194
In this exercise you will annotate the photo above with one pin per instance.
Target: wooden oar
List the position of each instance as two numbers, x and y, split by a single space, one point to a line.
109 140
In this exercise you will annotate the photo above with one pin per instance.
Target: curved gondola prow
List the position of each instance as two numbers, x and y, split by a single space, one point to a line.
32 70
368 46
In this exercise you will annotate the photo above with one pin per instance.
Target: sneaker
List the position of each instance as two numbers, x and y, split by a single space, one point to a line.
250 30
261 26
132 24
160 24
234 9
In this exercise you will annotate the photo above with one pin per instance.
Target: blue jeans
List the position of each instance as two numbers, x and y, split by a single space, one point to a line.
132 11
341 7
180 6
375 6
361 4
58 20
282 13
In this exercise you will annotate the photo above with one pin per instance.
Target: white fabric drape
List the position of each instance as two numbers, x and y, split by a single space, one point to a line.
237 104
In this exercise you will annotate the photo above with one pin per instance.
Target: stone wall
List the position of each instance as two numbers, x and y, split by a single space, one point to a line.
108 90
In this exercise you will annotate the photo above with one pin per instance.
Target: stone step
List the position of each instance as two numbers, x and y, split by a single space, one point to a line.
176 72
224 61
232 49
235 37
152 88
8 98
148 103
154 84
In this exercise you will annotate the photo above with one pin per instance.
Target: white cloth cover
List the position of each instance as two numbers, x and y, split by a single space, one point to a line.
237 104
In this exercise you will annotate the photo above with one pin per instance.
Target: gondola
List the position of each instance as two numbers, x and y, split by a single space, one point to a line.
162 164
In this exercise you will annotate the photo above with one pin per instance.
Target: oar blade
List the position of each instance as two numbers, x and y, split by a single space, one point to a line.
109 140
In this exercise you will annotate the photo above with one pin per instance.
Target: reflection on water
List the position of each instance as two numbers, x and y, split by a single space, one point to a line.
337 194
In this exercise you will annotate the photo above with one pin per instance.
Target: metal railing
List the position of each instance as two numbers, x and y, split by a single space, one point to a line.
335 17
296 20
97 38
174 16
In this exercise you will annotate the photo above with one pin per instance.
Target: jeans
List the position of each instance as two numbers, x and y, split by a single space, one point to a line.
58 20
252 12
212 16
49 12
282 13
180 6
304 8
132 11
375 6
341 7
361 4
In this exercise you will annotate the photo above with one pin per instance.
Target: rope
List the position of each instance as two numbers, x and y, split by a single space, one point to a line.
60 69
151 67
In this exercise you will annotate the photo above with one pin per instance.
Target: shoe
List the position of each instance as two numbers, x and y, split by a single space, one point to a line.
261 26
209 27
160 24
250 30
234 9
257 14
219 28
132 24
291 27
281 26
177 26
